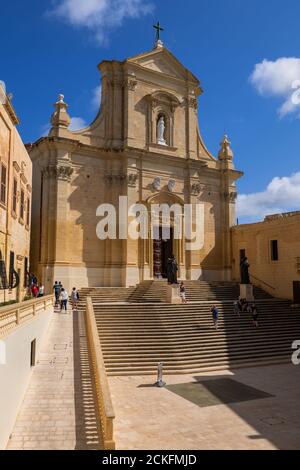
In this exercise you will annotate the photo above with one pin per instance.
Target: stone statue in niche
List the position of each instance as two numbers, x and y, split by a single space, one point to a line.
161 127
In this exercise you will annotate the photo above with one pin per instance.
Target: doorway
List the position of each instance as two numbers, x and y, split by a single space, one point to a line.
162 250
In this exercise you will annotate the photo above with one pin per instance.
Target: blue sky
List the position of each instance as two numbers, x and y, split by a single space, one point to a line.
52 47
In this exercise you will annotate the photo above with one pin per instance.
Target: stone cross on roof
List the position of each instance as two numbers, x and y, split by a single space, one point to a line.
158 31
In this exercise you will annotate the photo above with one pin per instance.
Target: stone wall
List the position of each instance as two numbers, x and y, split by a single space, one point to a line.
276 277
14 230
119 155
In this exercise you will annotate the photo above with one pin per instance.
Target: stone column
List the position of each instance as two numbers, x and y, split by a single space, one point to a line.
130 85
133 249
228 196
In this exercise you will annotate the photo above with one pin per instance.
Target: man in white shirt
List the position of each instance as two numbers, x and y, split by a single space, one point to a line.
64 297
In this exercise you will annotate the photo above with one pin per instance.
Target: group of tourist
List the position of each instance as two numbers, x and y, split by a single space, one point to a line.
242 306
62 297
239 307
35 289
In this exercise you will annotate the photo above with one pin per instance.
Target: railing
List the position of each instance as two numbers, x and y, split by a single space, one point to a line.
263 282
12 316
105 407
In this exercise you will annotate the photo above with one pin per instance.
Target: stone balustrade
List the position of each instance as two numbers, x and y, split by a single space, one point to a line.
12 316
104 402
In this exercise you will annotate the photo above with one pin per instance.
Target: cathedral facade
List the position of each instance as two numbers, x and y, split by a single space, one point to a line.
144 144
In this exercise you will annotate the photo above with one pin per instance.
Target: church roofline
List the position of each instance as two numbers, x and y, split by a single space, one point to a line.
155 51
168 52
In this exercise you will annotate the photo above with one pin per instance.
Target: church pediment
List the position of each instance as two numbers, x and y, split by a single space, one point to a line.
163 61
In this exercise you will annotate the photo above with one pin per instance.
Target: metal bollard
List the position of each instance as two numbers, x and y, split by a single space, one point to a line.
160 383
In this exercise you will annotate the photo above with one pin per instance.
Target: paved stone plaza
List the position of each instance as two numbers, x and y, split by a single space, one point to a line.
262 410
255 408
58 411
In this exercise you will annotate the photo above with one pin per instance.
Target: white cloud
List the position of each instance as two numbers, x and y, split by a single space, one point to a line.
96 97
100 16
281 195
77 123
279 78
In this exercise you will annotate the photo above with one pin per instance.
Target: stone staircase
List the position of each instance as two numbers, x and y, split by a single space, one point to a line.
155 292
134 338
138 329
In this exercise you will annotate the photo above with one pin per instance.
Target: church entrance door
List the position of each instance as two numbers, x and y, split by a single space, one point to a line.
162 250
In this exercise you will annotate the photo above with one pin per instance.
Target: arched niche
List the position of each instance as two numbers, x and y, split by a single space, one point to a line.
161 104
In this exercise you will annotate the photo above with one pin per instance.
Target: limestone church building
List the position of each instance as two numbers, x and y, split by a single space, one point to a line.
145 144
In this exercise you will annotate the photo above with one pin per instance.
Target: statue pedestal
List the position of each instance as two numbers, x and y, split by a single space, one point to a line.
246 292
173 296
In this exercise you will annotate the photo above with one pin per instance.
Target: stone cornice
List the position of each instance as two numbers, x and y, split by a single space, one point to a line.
11 112
139 154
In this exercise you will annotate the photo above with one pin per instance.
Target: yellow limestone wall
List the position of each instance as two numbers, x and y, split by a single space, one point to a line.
276 277
118 155
14 232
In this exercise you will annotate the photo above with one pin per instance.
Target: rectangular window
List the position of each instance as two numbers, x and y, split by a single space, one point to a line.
32 353
242 254
15 196
3 185
28 212
22 202
274 250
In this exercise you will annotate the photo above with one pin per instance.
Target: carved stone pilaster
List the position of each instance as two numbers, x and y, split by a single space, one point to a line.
60 172
49 171
132 180
114 178
230 196
193 103
195 189
64 173
130 83
233 196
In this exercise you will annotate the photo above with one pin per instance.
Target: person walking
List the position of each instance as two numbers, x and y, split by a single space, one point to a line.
41 291
64 297
254 313
56 289
236 309
244 305
74 298
182 293
215 315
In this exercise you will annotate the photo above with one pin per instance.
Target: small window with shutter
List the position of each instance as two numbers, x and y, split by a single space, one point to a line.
15 196
3 184
22 204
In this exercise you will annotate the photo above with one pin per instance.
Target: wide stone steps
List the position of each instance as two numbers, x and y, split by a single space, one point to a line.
155 292
135 337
